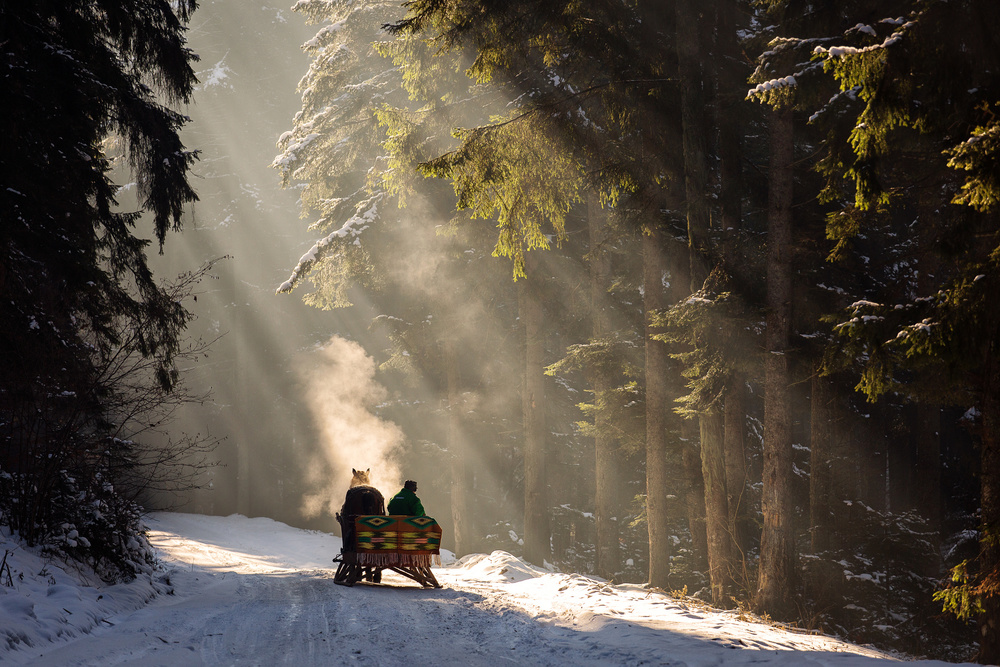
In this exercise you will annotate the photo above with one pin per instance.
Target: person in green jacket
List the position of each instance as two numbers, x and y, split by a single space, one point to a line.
406 501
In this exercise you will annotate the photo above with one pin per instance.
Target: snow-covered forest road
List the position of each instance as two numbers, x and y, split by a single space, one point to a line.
301 618
257 592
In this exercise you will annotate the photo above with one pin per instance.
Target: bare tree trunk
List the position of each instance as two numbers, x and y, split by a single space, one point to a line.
774 593
658 480
902 463
243 478
729 77
845 464
692 85
694 135
871 446
241 385
713 469
607 496
927 425
536 501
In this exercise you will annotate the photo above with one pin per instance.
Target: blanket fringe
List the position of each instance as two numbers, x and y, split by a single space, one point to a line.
398 559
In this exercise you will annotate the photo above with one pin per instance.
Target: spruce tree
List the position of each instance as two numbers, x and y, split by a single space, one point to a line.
84 82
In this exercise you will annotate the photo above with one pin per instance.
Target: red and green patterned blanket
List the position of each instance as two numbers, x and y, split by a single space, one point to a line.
385 541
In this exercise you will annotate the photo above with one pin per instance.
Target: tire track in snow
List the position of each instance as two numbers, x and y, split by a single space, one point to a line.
278 620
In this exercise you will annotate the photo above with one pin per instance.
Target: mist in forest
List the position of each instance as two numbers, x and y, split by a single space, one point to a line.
294 397
279 385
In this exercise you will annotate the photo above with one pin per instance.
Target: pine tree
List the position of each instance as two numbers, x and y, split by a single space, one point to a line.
938 83
83 82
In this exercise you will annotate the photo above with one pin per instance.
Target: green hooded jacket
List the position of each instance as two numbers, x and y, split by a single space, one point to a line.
406 502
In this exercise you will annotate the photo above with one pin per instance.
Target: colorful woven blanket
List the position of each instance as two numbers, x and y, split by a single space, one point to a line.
385 541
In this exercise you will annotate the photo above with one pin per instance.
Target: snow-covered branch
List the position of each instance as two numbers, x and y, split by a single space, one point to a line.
349 232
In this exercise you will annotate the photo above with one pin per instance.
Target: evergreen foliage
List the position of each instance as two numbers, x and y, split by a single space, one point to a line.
83 85
878 591
716 334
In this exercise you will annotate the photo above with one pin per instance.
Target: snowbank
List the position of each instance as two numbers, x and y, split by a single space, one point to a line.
44 601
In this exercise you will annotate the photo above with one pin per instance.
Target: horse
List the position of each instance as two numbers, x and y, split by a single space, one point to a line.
362 499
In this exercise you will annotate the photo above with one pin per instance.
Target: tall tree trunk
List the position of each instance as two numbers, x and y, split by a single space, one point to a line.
658 478
927 473
989 620
241 384
607 474
692 85
845 465
902 462
736 471
243 475
871 451
821 465
924 494
462 532
694 493
927 421
713 469
536 500
696 202
774 593
730 77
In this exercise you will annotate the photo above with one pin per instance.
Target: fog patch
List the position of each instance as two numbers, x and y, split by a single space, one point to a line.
341 393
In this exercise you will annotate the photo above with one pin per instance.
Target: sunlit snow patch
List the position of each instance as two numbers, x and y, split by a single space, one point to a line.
498 566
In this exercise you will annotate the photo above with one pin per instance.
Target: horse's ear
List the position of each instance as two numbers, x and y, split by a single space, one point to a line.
354 471
368 471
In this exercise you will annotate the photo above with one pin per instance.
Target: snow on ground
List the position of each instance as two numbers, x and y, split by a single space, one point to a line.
234 590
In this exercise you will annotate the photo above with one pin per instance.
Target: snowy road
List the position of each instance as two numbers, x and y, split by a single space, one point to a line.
257 592
300 619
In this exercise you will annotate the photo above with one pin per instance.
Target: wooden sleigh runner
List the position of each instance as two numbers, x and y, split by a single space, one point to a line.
407 545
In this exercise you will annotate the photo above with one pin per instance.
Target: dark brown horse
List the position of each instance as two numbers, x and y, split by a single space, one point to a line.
362 499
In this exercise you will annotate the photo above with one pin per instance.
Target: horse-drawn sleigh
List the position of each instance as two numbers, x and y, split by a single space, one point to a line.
374 541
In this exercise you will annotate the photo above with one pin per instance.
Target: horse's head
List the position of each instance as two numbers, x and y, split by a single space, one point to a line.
361 477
